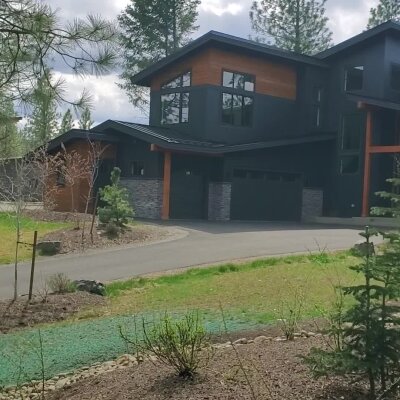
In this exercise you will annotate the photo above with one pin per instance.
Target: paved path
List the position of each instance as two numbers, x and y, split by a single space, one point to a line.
206 242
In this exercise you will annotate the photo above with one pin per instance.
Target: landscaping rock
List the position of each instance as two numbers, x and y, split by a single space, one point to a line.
93 287
240 341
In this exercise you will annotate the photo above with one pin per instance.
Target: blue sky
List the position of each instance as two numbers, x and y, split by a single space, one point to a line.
347 18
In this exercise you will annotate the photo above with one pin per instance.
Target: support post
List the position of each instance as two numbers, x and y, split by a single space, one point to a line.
367 165
33 265
166 185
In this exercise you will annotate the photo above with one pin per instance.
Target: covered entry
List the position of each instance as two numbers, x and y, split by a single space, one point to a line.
265 195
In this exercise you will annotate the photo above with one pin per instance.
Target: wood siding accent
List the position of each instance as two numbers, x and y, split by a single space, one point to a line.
63 196
272 78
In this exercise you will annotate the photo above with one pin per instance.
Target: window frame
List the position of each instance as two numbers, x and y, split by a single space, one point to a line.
180 93
341 156
140 163
394 65
232 93
317 104
347 68
253 76
181 75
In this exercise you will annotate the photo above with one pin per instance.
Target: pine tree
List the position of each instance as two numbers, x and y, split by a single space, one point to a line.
295 25
42 124
85 121
386 10
66 122
10 144
151 30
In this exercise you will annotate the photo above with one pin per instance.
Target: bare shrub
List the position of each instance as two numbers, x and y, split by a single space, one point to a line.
176 343
61 284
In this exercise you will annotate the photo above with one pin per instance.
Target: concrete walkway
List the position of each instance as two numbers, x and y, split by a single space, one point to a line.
206 242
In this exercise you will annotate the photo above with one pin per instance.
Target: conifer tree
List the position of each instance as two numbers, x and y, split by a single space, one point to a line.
10 144
85 121
66 122
151 30
42 123
386 10
296 25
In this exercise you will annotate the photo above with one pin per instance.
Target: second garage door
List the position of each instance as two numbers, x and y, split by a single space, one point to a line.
266 196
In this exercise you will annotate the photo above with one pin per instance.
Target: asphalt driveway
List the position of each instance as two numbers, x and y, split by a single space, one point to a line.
205 242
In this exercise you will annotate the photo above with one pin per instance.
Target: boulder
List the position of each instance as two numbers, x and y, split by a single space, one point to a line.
94 287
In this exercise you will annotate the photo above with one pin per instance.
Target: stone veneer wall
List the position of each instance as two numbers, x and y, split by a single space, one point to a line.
145 196
219 201
313 200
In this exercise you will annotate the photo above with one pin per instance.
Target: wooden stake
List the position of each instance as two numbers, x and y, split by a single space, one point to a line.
33 265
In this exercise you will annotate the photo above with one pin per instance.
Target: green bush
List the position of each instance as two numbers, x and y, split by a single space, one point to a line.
176 343
60 284
117 209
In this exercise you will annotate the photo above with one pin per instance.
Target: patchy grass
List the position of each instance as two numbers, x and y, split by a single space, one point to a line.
28 226
254 291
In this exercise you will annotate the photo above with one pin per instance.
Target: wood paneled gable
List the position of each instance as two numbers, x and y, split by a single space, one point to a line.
272 78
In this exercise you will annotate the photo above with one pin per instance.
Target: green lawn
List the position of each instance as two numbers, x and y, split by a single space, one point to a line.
256 291
28 226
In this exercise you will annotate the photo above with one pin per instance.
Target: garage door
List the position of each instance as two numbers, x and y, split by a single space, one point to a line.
266 196
187 199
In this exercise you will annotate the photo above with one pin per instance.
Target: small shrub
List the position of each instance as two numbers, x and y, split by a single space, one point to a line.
60 283
176 343
111 230
117 208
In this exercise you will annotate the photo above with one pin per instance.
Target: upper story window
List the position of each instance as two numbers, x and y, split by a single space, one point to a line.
354 78
237 110
174 108
395 77
175 103
236 80
318 98
180 81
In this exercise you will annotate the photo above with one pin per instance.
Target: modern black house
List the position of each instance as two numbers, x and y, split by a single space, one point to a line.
244 131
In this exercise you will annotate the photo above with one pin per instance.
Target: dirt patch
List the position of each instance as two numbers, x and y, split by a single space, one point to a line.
71 239
274 369
23 314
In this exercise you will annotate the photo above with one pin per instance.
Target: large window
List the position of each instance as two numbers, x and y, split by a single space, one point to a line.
395 77
175 105
174 108
317 106
180 81
351 132
354 78
237 80
236 109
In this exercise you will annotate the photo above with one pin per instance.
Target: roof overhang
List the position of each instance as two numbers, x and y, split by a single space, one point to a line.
78 134
365 102
144 77
390 26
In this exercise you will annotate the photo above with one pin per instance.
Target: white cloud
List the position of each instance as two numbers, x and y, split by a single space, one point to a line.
219 8
109 101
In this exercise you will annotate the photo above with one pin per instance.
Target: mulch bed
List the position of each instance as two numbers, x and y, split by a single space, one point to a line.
274 369
71 239
57 307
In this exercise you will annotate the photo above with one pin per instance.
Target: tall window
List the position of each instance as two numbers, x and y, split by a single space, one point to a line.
175 102
237 80
350 144
395 77
354 78
317 106
236 109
